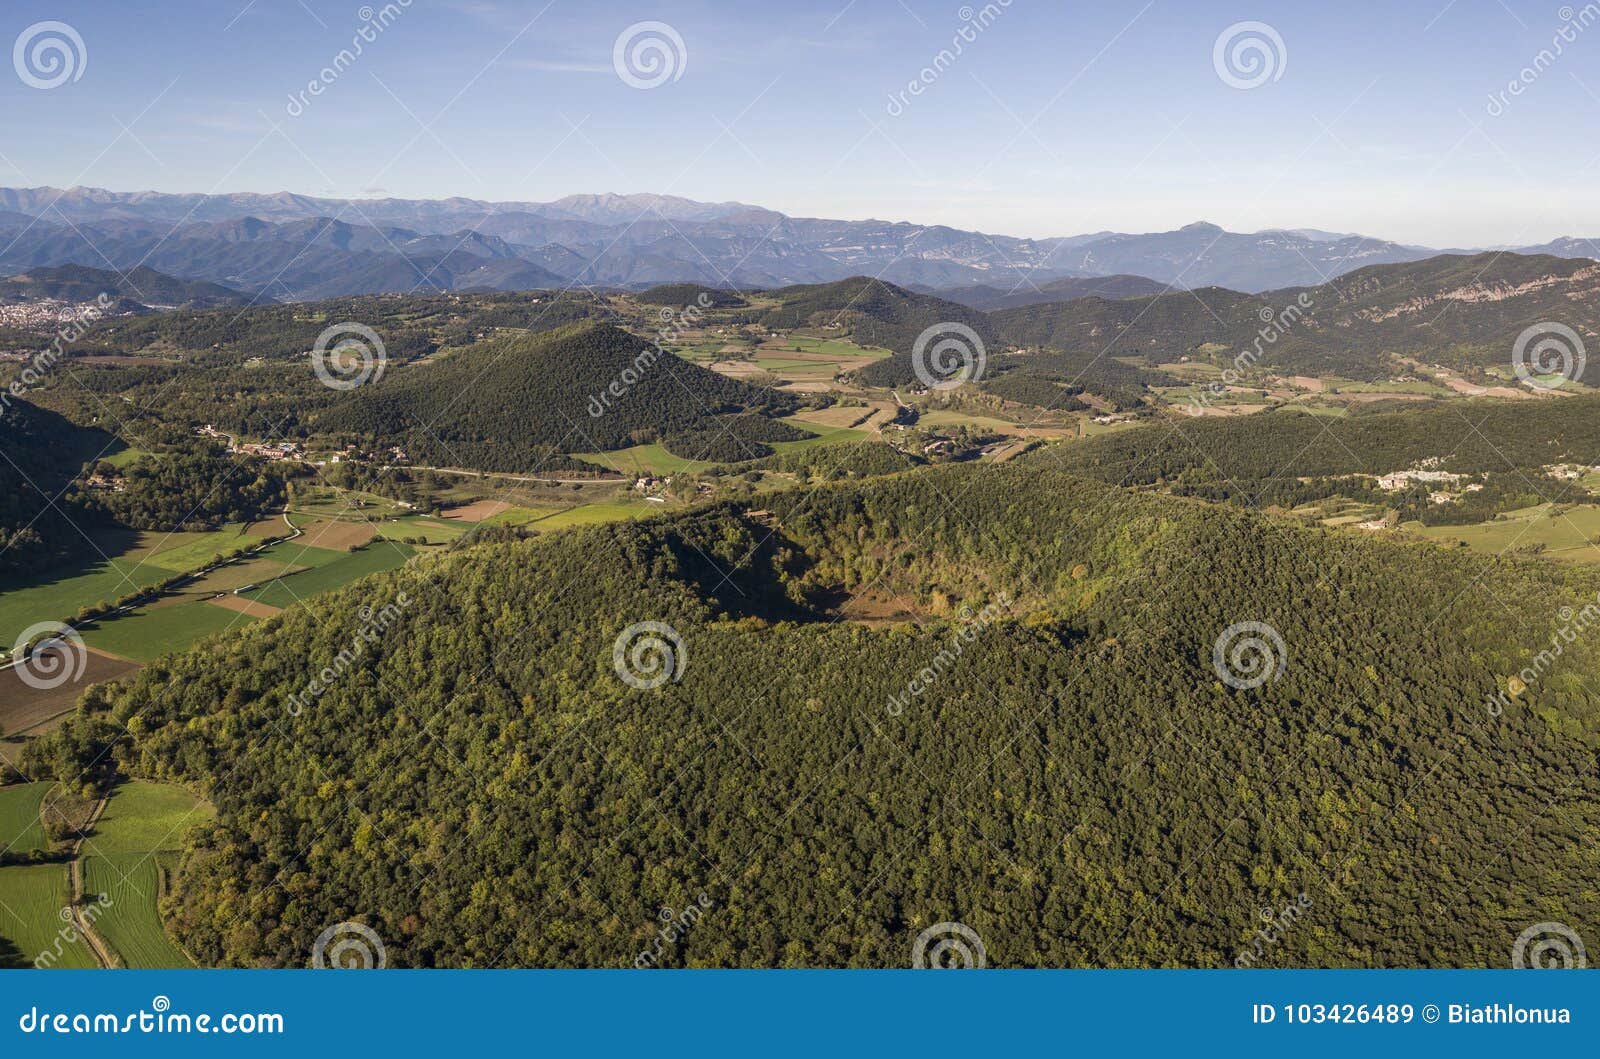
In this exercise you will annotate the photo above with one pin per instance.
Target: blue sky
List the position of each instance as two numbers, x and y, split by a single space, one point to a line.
1056 118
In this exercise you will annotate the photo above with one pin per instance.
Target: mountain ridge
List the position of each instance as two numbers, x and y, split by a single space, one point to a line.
631 241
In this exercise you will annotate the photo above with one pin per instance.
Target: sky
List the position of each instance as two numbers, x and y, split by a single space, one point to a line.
1050 118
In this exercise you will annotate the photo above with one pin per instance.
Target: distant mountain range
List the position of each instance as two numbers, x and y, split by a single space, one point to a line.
296 247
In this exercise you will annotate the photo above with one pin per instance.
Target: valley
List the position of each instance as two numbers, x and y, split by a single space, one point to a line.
332 639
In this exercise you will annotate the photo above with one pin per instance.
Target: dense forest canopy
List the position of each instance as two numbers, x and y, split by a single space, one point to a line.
514 403
1047 754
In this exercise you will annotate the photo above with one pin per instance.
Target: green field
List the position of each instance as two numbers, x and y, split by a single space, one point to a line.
178 553
20 829
1565 536
142 817
431 530
31 899
287 591
150 632
328 502
131 923
137 561
945 417
594 514
124 457
821 435
642 459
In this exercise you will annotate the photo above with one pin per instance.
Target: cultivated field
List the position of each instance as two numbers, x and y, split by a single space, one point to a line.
137 561
476 511
324 577
141 817
150 632
21 831
24 708
32 900
131 923
1565 536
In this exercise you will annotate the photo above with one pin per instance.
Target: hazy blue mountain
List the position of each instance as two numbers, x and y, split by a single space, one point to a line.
305 247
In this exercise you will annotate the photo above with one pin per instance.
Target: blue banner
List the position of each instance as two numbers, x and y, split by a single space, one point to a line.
813 1013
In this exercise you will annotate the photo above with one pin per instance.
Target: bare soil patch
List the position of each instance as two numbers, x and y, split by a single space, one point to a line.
476 512
335 535
24 708
244 606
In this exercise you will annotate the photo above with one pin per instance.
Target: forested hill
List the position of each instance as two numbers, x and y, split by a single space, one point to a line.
1257 455
1465 310
515 403
40 453
988 298
1074 781
872 312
